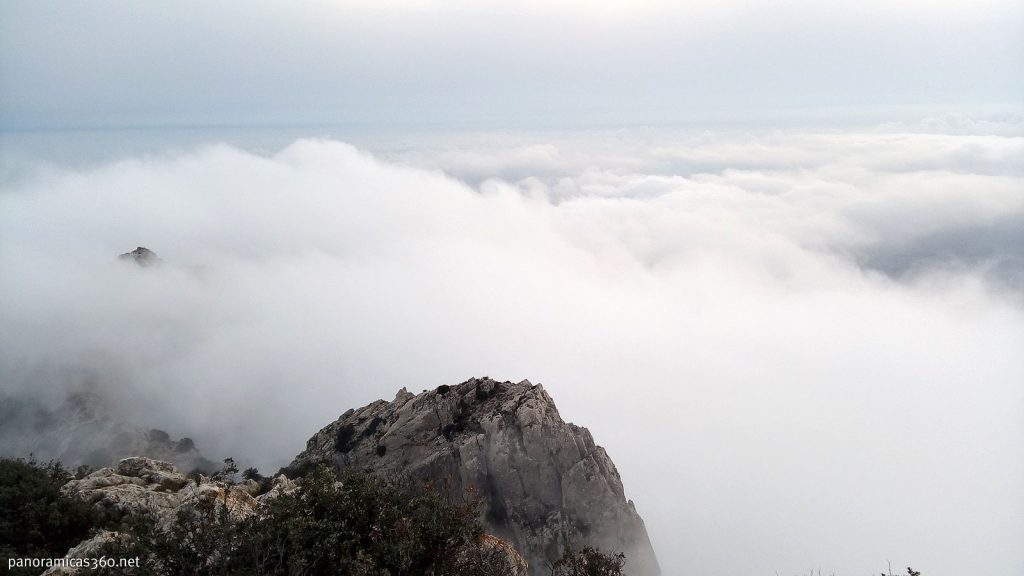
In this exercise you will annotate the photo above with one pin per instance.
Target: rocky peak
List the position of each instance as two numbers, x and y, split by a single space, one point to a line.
142 256
543 483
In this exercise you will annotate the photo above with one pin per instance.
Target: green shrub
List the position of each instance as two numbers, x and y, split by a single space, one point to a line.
588 562
372 427
36 520
343 438
910 572
349 524
371 527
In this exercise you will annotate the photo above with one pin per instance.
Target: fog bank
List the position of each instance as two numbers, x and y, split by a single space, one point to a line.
801 349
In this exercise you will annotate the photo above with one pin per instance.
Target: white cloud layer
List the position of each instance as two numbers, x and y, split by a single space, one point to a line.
802 350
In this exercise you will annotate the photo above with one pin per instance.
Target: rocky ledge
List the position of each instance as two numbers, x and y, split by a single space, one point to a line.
140 486
543 483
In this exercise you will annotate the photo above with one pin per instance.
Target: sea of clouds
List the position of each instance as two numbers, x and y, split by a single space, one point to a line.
802 349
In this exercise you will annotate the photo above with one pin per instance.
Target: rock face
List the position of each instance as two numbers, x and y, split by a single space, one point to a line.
498 554
142 256
86 550
543 483
143 485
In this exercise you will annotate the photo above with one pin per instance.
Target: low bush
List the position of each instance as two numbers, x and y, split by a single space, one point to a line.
333 524
36 520
349 524
343 438
588 562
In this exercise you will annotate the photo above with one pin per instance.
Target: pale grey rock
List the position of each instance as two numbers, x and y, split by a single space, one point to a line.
237 499
87 549
544 483
162 474
282 485
493 554
140 485
252 487
121 495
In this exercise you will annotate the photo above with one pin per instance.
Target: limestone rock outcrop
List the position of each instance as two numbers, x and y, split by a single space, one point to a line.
495 553
543 483
140 485
142 256
90 549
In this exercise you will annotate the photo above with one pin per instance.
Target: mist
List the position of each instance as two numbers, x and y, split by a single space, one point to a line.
801 349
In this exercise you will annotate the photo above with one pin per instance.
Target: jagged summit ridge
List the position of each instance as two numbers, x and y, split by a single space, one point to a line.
142 256
544 483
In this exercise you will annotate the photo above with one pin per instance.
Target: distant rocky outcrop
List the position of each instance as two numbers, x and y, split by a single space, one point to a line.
85 429
544 483
79 420
142 256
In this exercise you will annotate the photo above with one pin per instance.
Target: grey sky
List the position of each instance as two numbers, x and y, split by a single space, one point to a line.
101 62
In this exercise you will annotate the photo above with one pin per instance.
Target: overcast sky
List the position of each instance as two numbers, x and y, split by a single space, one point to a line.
102 62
